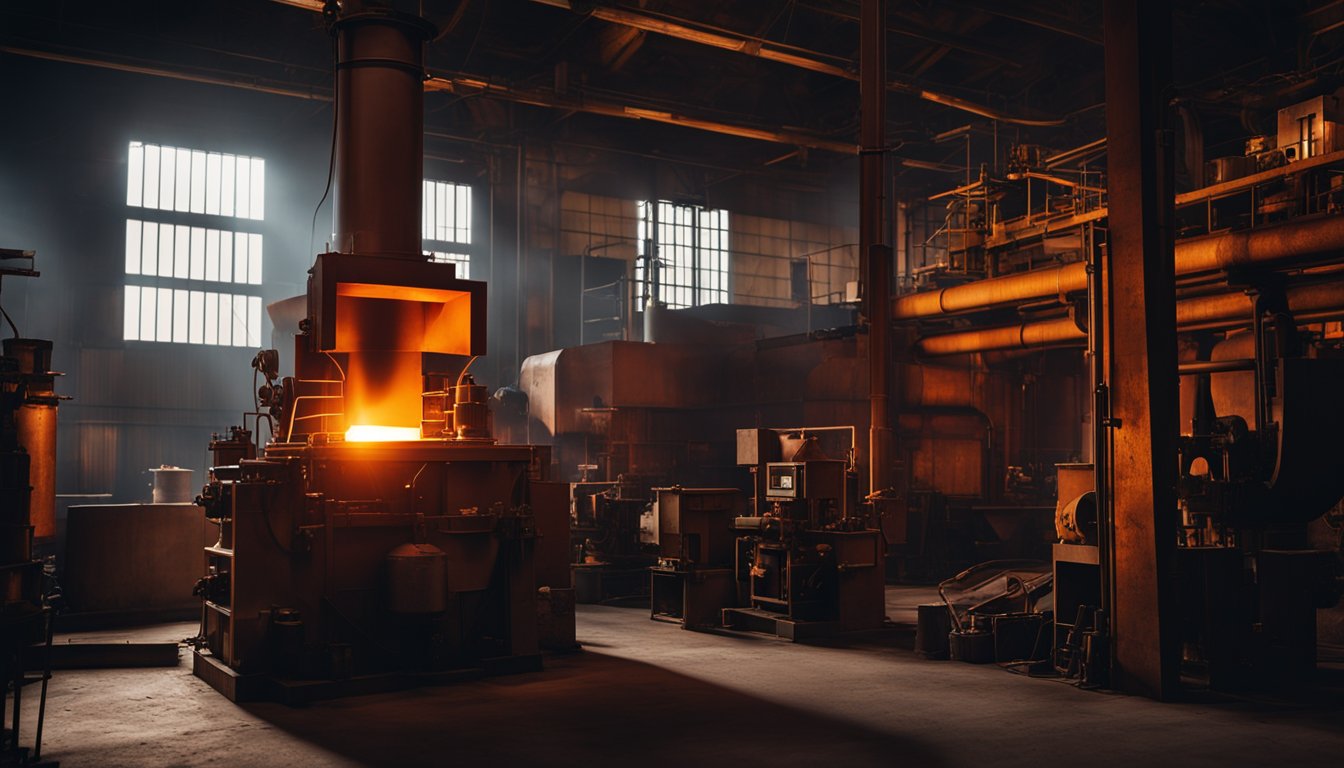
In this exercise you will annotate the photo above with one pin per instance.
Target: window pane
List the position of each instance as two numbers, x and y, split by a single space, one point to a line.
226 177
225 319
181 252
212 254
180 316
254 259
212 183
197 181
182 199
239 321
167 175
226 257
151 179
196 322
147 297
133 228
165 268
243 187
258 207
164 330
131 314
254 321
240 241
135 174
211 317
197 253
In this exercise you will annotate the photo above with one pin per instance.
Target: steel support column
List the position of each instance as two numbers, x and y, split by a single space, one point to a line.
874 253
1141 357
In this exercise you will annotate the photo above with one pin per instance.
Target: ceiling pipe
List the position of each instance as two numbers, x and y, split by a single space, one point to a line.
1298 239
1308 303
808 60
466 85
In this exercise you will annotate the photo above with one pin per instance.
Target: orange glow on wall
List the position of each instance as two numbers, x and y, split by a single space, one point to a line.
373 433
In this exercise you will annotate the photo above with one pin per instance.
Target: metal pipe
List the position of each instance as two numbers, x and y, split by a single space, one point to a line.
1221 312
1299 239
379 153
1215 366
794 57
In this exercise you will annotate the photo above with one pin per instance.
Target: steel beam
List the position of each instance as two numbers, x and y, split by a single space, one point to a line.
1140 358
873 248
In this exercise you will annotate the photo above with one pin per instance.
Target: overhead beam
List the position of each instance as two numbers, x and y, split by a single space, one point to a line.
792 56
470 85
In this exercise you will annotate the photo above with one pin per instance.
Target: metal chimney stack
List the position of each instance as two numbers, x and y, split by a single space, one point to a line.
379 130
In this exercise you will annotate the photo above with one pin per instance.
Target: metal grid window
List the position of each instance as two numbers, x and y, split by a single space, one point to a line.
163 302
447 224
691 244
195 181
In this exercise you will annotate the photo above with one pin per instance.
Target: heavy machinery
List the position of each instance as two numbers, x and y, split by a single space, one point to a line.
381 538
811 564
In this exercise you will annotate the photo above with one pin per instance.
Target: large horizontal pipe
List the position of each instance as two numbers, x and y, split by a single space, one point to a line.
1299 239
1223 311
463 84
790 55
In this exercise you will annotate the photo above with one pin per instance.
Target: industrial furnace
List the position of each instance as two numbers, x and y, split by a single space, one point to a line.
380 538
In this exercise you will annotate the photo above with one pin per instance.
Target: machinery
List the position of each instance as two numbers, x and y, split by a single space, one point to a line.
380 538
27 510
810 563
693 580
610 559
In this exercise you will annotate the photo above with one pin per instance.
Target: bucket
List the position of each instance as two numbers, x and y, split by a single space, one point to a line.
172 485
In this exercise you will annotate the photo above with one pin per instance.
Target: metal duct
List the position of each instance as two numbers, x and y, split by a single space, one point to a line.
379 154
1297 239
1224 311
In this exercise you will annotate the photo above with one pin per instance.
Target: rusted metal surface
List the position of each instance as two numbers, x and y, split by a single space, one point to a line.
1308 303
379 132
1299 239
1141 359
873 236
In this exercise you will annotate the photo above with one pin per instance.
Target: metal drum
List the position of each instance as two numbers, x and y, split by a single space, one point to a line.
417 579
172 485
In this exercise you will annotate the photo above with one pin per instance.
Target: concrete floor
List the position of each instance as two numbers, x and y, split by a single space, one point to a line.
649 693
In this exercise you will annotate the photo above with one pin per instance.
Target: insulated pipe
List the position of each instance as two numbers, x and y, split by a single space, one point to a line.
379 152
1224 311
1205 254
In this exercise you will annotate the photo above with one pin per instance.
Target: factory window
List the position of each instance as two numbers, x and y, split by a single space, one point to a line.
194 181
691 244
171 255
447 224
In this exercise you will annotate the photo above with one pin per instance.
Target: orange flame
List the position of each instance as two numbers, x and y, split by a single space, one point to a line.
372 433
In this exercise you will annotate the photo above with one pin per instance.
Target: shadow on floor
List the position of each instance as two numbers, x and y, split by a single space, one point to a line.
588 709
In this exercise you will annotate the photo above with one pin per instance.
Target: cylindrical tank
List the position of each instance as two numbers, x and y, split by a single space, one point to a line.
471 414
379 131
172 485
36 422
417 579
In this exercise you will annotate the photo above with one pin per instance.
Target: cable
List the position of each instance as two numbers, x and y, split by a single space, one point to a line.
10 320
331 159
465 368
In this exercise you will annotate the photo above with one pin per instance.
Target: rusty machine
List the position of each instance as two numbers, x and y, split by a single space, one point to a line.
28 404
380 538
810 561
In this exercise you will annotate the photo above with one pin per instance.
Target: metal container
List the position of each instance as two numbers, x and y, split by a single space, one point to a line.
931 629
172 485
417 579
